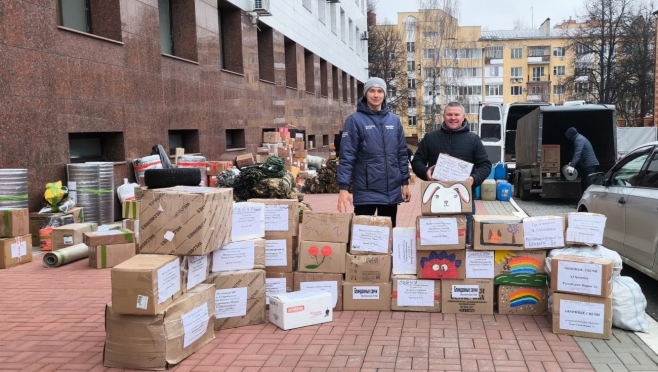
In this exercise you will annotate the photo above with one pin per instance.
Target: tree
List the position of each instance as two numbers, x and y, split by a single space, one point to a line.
520 24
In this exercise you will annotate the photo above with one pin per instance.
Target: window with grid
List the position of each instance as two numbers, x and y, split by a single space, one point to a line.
411 83
392 91
411 102
450 53
558 89
494 52
517 53
494 71
494 90
517 72
411 47
411 66
333 15
343 26
429 53
322 5
559 51
537 73
411 121
430 35
559 70
516 91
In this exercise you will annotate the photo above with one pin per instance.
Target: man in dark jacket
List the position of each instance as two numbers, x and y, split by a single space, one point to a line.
583 158
373 157
453 138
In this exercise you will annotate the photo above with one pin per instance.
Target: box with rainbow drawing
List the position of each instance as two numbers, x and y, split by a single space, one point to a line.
515 300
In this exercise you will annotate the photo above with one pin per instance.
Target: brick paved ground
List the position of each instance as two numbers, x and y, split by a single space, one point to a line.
52 319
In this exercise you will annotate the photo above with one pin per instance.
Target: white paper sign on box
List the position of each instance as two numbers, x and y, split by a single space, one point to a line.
168 280
195 324
416 293
582 316
585 229
197 270
404 250
449 168
373 239
479 264
300 309
274 286
365 292
329 286
234 256
543 232
248 221
230 302
466 291
439 231
276 217
579 277
276 253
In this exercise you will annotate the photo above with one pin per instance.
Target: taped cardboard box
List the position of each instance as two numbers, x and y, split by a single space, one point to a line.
371 235
109 237
281 217
283 152
585 228
261 159
367 296
214 168
550 158
442 197
15 251
108 256
244 160
301 154
326 227
301 309
479 264
68 235
276 283
367 269
582 275
546 232
132 225
145 284
491 232
520 268
404 250
413 294
271 137
441 233
248 221
582 316
38 221
280 255
441 264
194 271
239 298
323 257
186 221
163 340
139 192
469 296
332 283
516 300
246 255
130 209
14 222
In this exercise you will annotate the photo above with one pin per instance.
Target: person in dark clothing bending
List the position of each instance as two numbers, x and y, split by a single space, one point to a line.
583 158
453 138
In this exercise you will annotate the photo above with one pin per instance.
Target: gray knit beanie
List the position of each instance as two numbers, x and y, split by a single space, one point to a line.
374 82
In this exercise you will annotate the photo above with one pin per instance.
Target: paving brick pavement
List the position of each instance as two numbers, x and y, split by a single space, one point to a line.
52 319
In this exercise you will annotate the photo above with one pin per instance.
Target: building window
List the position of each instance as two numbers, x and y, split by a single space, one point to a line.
411 102
431 72
411 47
516 91
430 35
291 63
494 90
265 38
494 52
582 49
172 16
582 87
351 32
101 18
559 70
309 71
537 73
582 69
99 146
559 51
307 5
311 142
392 91
558 89
325 140
449 53
235 139
344 87
334 82
333 11
411 66
411 121
538 51
343 26
324 79
187 139
471 90
538 89
352 95
517 72
391 56
391 74
494 71
471 108
429 53
322 4
411 83
358 41
517 53
230 36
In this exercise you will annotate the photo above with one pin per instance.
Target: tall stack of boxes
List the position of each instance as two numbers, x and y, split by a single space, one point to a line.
15 238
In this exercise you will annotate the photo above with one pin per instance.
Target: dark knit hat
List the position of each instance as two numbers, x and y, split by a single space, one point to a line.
571 133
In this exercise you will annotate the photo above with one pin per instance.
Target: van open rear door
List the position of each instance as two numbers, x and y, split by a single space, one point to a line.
491 130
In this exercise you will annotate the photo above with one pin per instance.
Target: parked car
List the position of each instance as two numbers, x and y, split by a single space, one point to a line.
628 196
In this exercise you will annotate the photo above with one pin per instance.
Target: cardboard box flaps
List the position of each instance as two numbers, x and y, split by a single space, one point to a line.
15 251
323 257
14 222
441 233
248 221
582 316
326 227
404 250
582 275
332 283
367 296
440 198
301 309
109 237
469 296
245 255
371 235
492 232
413 294
239 298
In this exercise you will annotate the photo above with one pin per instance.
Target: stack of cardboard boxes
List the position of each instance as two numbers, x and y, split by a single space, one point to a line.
214 168
15 238
39 220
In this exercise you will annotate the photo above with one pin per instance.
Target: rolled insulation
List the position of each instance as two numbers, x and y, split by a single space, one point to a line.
66 255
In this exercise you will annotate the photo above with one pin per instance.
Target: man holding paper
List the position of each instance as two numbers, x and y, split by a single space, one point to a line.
454 139
373 157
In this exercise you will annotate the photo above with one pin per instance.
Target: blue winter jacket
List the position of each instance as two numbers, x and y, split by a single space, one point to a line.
583 153
373 156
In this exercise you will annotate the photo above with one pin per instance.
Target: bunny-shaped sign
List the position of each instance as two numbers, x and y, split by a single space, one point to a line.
446 199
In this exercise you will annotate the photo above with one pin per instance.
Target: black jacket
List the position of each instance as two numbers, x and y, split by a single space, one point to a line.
461 144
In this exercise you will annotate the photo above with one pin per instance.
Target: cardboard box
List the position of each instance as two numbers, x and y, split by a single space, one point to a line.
326 227
301 309
298 144
367 296
14 222
285 133
68 235
132 225
411 294
280 256
582 316
107 256
545 232
15 251
441 233
371 235
469 296
518 300
139 192
582 275
441 264
302 154
214 168
442 197
323 257
585 228
550 158
271 137
194 271
479 264
281 217
332 283
145 284
492 233
244 160
109 237
246 255
404 250
38 222
239 298
261 159
520 268
130 209
187 221
163 340
276 283
283 152
248 221
367 269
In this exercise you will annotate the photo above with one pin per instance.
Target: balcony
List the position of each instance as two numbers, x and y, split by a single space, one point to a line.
539 55
539 91
539 60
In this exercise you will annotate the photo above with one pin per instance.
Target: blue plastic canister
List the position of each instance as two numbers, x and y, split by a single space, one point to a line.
492 174
504 191
500 171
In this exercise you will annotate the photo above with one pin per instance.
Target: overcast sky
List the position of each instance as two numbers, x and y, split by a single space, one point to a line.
493 14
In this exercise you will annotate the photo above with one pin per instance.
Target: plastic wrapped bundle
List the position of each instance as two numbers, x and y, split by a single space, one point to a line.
194 161
314 161
13 188
148 162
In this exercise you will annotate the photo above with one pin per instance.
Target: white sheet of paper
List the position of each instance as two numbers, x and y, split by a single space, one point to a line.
276 217
365 292
585 229
439 231
274 286
197 270
465 291
543 233
416 293
248 221
449 168
329 286
195 324
579 277
404 250
276 253
479 264
582 316
370 238
230 302
168 280
234 256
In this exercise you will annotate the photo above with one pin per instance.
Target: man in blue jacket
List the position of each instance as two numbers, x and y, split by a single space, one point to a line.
373 157
583 157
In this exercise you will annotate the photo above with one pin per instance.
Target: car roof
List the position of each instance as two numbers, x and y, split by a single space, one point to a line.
595 107
652 143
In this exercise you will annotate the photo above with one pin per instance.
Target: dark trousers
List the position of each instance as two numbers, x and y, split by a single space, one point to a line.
382 211
584 180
